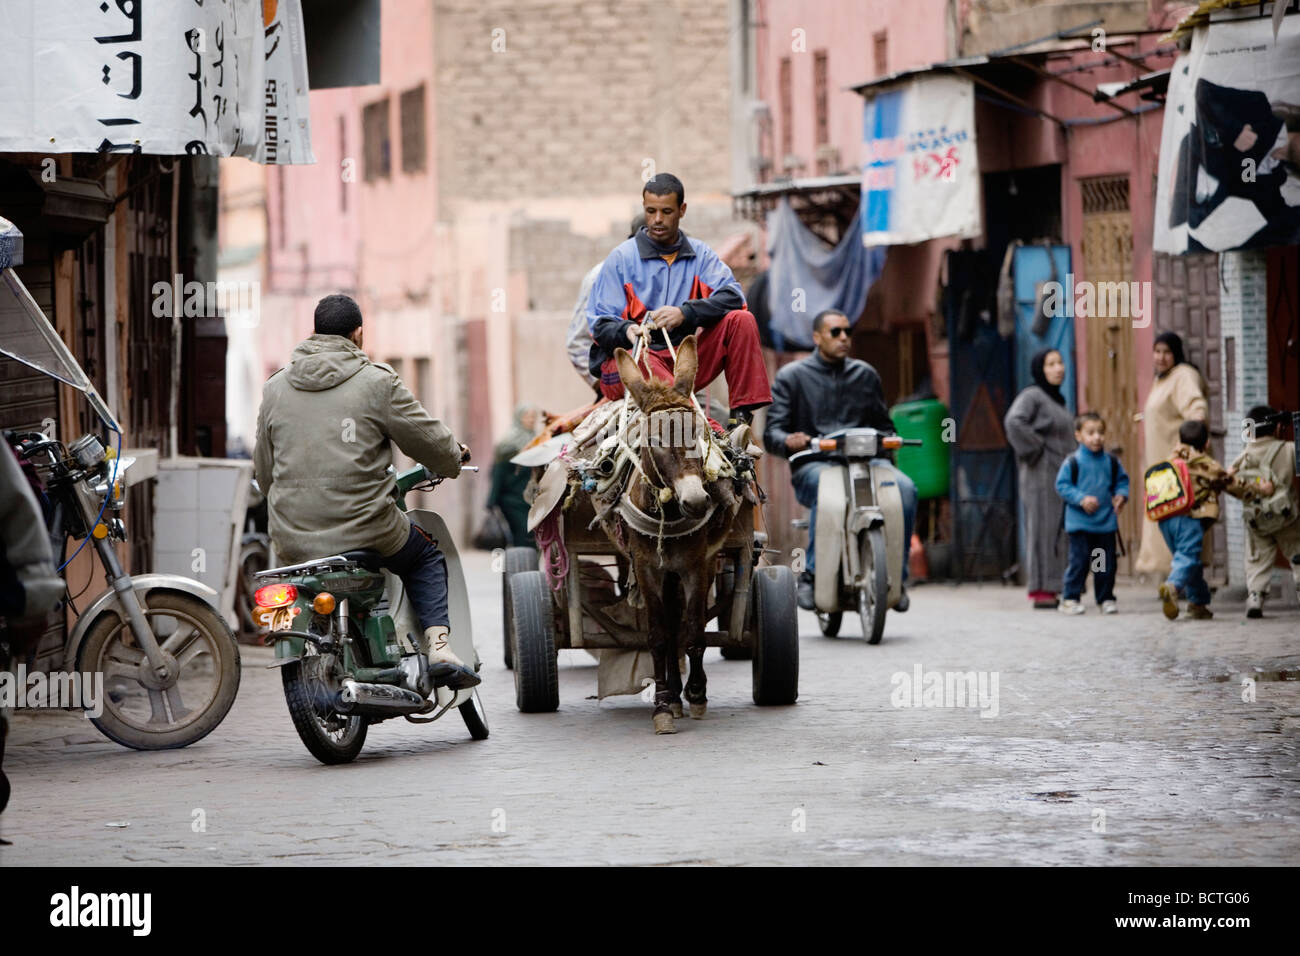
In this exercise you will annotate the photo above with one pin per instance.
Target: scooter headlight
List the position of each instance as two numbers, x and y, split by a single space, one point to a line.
87 451
860 444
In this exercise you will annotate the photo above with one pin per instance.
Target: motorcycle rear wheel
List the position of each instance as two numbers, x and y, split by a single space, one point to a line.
330 737
197 638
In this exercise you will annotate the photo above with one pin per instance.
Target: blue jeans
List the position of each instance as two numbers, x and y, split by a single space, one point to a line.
806 480
423 570
1083 545
1184 536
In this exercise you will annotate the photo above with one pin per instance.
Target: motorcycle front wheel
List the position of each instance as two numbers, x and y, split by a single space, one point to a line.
873 586
331 737
143 713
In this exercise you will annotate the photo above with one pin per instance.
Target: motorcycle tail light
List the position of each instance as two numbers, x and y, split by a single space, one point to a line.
893 441
323 603
275 595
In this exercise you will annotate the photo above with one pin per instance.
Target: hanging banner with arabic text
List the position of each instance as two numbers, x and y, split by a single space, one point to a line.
1230 148
920 174
155 77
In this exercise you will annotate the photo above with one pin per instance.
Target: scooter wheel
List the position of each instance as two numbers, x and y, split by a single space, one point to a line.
830 623
201 643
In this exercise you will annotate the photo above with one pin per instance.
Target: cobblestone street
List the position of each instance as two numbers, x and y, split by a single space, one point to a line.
1121 740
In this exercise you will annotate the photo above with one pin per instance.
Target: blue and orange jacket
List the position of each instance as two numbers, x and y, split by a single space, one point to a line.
636 278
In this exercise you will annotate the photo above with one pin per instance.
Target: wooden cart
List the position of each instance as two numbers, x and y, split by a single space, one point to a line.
755 610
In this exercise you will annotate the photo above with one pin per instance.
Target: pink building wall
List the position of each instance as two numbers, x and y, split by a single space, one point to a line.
917 35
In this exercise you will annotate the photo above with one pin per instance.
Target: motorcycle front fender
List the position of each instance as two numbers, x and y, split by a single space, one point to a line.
143 585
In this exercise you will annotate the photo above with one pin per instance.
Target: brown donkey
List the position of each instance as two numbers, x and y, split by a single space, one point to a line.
673 553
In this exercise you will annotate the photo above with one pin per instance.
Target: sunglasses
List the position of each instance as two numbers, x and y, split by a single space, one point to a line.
837 332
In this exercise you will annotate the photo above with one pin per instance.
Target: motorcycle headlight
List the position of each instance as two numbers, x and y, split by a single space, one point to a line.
860 445
87 451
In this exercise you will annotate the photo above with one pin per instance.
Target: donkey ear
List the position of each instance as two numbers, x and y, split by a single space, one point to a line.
688 363
633 380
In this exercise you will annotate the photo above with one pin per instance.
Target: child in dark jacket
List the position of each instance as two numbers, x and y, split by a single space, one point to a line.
1094 487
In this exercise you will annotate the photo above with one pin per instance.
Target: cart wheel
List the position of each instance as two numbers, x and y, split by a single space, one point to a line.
830 623
537 679
873 589
736 653
776 636
516 560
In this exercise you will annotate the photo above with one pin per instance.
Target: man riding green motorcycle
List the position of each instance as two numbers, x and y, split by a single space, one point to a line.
323 455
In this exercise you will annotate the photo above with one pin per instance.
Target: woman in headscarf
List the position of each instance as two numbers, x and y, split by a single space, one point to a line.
1041 430
1178 394
509 481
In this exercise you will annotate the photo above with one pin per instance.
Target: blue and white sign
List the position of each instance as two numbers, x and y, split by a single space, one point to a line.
920 172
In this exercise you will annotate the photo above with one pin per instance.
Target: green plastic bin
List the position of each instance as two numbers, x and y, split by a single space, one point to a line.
926 465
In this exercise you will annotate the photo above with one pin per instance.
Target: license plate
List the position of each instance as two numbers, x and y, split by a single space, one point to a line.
277 618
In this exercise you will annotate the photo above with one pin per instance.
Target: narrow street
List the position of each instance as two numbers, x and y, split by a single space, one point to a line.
1119 740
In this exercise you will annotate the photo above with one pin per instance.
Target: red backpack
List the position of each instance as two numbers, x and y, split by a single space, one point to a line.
1169 491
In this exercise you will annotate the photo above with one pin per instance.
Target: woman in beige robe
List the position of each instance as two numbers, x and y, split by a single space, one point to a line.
1177 395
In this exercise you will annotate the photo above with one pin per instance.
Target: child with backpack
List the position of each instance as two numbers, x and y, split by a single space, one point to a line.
1094 487
1272 517
1197 509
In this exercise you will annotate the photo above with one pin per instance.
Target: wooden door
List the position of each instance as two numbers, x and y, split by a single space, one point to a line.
1187 302
1111 389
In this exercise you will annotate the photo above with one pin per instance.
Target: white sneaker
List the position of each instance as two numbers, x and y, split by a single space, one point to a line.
1109 607
1254 604
1072 607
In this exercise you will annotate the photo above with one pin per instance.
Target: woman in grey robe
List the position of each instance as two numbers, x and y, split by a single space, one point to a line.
1041 430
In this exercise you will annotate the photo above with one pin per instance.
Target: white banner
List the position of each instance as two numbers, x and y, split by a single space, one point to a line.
920 173
1230 148
154 76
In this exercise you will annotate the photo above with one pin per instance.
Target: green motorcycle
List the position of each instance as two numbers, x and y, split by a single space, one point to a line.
349 646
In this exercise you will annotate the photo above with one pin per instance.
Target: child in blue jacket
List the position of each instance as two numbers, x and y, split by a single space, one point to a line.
1094 487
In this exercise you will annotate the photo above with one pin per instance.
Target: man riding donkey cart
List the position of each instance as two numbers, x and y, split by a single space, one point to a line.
665 482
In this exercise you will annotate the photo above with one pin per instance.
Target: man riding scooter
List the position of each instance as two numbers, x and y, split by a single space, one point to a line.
322 460
826 392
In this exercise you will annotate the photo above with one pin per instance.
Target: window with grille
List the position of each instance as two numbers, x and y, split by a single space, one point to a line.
411 107
821 97
786 84
1104 194
378 145
880 49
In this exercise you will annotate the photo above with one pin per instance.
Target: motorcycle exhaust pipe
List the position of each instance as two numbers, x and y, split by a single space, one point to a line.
377 700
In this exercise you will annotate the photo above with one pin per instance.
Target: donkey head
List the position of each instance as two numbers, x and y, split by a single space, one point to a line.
669 446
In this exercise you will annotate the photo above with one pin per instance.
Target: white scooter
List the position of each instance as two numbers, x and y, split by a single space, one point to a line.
859 550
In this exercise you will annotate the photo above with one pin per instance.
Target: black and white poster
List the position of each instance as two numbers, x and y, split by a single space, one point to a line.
1230 149
182 76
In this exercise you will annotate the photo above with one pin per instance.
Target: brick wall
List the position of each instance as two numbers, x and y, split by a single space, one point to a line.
1243 312
578 93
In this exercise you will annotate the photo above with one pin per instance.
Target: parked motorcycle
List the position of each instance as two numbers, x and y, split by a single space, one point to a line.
170 661
350 648
859 543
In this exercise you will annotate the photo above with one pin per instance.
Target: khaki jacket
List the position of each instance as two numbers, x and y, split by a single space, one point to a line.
323 446
1208 479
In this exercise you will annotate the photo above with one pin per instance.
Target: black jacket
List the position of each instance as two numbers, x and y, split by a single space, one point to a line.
816 397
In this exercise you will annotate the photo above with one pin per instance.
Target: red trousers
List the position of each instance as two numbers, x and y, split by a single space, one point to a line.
730 346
